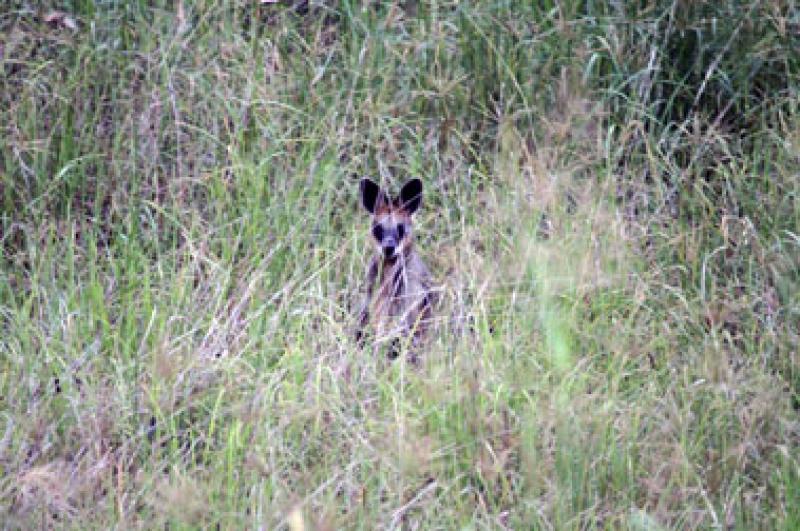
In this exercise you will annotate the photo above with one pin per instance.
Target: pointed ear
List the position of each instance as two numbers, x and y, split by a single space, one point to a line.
371 194
411 195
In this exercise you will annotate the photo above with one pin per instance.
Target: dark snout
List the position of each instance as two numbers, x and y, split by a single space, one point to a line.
389 246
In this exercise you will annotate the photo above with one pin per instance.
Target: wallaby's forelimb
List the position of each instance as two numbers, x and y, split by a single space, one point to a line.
363 314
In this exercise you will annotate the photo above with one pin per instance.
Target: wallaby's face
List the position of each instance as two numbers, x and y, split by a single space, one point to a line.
391 218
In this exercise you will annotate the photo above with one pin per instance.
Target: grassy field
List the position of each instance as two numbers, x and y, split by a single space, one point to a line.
611 208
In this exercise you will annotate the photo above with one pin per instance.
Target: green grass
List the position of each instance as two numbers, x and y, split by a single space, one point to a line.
611 207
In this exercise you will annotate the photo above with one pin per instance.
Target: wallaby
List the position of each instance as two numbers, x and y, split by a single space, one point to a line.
399 298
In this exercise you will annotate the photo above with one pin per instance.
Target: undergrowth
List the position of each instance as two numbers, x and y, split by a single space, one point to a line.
611 212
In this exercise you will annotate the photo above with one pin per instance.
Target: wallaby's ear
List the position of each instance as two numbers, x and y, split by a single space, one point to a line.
371 194
411 195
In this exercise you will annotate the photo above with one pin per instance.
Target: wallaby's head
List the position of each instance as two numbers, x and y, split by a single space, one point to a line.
391 218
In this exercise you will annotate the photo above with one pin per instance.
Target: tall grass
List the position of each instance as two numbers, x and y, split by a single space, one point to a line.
611 208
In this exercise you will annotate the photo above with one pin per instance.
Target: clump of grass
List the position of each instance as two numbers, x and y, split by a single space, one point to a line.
617 246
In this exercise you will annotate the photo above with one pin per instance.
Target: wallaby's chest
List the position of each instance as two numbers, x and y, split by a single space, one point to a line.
401 294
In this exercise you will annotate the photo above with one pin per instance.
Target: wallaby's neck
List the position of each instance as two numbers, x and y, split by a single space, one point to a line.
398 260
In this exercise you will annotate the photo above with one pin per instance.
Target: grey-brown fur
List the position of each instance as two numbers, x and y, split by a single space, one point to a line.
399 296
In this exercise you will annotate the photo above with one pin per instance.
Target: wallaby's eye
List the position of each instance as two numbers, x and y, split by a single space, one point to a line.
401 230
377 232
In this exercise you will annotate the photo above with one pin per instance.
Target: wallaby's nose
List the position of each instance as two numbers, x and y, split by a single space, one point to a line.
388 251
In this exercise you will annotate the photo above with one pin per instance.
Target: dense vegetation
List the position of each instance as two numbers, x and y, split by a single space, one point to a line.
611 208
